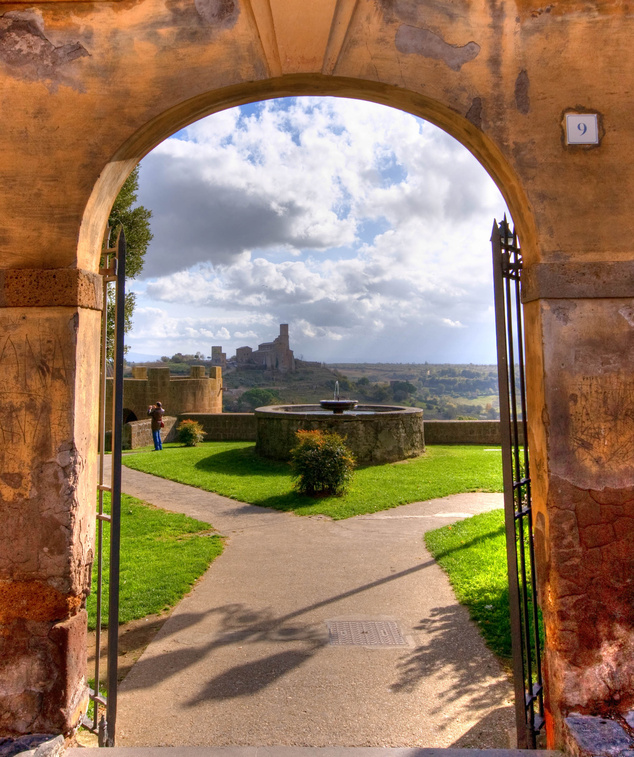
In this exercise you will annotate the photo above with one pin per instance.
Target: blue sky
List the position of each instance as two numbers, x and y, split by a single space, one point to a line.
362 227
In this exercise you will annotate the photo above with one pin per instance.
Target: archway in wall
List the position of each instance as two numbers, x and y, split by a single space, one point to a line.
487 221
123 76
129 415
176 118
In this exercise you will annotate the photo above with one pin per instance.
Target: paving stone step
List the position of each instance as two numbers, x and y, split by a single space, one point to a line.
290 751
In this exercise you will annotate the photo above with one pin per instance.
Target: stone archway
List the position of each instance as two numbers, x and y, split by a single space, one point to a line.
91 88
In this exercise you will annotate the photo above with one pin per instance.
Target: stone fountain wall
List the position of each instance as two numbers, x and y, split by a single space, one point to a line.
382 437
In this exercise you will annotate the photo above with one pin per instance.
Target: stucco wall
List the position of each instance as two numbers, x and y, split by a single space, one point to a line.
88 88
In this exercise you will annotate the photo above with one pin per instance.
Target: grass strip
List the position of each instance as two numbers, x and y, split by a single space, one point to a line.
162 555
473 554
234 470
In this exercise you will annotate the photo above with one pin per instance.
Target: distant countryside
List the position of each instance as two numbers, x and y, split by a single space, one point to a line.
446 392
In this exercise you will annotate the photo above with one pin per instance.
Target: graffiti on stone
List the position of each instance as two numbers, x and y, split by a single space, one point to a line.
602 420
35 375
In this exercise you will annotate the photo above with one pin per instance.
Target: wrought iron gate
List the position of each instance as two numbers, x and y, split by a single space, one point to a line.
520 555
105 707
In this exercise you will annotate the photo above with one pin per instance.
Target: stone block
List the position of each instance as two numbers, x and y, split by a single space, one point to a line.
67 700
33 744
56 287
45 691
591 736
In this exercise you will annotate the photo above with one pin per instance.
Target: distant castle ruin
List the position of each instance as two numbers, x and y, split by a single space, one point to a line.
275 355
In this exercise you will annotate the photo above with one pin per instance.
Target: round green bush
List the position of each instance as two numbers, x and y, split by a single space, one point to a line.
321 463
190 433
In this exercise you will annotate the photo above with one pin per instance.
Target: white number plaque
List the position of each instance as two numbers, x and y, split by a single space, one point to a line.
582 129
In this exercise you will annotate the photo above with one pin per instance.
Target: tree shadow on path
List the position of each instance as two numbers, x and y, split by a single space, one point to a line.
242 625
477 675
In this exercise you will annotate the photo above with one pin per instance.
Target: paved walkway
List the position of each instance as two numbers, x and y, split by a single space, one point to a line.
245 659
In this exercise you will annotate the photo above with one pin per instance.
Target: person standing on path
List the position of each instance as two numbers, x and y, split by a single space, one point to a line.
156 412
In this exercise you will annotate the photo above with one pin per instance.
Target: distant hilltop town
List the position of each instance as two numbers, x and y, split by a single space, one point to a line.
275 355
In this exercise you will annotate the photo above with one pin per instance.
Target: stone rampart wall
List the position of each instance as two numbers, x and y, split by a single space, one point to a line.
177 394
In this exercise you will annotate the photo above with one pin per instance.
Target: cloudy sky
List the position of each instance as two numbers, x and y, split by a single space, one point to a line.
362 227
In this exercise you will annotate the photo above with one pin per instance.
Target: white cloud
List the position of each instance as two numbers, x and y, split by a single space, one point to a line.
362 227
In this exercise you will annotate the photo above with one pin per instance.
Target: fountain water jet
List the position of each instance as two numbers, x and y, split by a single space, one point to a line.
338 405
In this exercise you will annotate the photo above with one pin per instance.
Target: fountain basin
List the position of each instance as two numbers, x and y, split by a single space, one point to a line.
375 433
338 406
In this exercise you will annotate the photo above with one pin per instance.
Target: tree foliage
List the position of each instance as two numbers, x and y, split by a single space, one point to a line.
135 220
257 397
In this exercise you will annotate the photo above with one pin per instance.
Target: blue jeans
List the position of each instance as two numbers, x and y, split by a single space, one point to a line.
158 444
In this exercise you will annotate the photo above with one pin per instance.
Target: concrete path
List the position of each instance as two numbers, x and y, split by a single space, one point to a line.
245 659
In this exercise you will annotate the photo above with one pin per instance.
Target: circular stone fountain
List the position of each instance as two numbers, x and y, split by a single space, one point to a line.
375 433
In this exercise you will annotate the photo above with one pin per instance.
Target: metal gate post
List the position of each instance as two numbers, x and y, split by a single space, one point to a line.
507 265
115 512
113 270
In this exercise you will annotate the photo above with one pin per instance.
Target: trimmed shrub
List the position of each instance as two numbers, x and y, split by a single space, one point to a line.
190 433
321 462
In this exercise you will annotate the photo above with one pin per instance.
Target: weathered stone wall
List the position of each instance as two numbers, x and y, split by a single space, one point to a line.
47 511
464 432
88 88
225 427
584 500
138 434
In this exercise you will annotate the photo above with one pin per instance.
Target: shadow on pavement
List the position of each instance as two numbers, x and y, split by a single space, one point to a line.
247 679
238 625
496 730
475 671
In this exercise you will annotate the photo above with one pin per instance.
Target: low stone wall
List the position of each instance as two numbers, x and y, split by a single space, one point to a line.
225 427
464 432
241 427
139 433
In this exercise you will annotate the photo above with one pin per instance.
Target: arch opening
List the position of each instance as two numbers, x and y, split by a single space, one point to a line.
488 219
184 114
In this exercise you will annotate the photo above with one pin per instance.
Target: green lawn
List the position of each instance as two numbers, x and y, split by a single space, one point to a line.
473 554
234 470
162 555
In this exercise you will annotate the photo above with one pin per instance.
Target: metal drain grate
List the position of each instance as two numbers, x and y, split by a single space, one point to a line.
365 633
